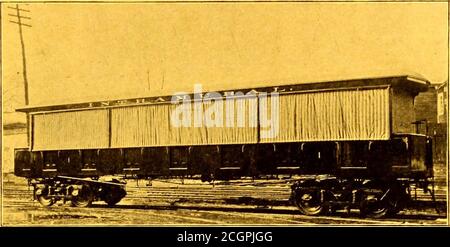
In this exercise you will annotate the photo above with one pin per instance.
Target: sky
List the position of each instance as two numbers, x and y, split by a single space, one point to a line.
91 52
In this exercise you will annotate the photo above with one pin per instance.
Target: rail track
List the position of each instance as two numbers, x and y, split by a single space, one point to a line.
189 202
170 191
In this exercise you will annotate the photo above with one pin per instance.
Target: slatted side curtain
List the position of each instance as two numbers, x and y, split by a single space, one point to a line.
359 114
152 125
71 130
333 116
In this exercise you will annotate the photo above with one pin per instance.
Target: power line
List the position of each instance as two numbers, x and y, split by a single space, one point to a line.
19 18
19 21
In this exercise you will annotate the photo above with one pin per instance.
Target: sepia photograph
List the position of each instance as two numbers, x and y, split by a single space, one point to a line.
224 113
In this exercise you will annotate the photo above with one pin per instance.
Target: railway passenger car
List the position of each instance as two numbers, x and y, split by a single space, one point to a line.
353 138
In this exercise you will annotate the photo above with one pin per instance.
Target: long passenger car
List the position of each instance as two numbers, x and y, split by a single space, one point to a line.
356 137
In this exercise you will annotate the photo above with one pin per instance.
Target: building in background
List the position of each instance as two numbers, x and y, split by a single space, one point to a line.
14 136
440 133
442 102
425 107
431 118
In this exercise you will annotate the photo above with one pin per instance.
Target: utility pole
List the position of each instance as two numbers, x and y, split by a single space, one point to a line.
19 15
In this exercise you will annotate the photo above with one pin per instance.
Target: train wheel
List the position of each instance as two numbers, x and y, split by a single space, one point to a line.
394 206
375 210
112 201
309 203
84 198
397 200
114 196
45 200
379 208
